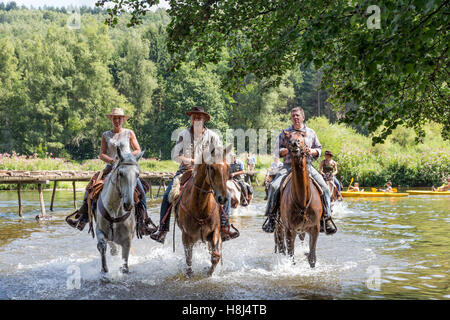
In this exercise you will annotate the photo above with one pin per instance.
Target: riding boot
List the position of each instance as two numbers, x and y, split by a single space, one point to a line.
227 233
269 224
160 235
81 217
329 226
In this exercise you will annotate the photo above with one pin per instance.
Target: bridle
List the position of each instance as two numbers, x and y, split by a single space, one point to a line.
211 188
104 212
117 177
301 152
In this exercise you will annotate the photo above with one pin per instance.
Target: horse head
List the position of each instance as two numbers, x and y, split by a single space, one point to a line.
217 172
126 174
296 144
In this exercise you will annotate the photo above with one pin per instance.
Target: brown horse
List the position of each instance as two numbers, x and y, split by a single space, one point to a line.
300 204
199 208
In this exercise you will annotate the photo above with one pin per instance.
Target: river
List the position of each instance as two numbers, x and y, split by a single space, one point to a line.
385 248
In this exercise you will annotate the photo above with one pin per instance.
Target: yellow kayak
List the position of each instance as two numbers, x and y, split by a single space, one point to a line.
372 194
428 192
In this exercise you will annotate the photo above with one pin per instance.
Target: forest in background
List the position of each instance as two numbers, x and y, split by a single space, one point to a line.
57 83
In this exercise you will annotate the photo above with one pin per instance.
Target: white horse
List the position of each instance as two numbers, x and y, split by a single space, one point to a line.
235 193
116 222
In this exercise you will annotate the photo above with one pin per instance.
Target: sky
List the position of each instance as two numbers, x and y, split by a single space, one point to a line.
65 3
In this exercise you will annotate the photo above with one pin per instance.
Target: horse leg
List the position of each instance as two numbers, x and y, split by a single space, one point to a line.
214 249
125 253
188 244
113 248
279 239
313 235
101 246
290 242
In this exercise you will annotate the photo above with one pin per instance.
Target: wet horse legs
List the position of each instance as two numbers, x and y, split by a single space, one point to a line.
214 249
188 244
101 246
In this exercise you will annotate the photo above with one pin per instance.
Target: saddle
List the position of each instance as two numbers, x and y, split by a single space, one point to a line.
179 181
95 187
276 208
289 176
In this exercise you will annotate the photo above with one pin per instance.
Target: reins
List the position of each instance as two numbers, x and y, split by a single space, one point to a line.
104 212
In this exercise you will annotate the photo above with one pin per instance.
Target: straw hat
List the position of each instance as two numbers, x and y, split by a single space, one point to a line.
328 152
199 110
117 112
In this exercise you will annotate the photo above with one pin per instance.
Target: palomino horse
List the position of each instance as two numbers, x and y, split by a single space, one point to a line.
300 204
116 222
199 208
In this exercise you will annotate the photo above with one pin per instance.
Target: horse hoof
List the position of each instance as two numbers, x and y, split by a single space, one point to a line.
124 270
189 273
301 236
312 264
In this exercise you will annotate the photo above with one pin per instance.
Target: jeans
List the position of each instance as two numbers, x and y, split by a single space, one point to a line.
144 199
274 187
164 206
338 184
326 191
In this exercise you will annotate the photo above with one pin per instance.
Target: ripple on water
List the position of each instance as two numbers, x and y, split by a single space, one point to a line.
39 259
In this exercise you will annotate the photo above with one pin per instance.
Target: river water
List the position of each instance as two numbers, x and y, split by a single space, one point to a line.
386 248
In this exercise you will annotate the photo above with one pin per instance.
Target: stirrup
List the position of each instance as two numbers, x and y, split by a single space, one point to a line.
226 235
269 225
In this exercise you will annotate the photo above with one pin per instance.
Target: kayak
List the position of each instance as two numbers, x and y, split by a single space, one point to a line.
373 194
428 192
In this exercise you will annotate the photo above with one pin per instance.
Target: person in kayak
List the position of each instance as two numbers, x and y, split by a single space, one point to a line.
444 187
388 187
354 188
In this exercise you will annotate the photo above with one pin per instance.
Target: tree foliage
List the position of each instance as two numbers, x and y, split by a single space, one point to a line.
377 75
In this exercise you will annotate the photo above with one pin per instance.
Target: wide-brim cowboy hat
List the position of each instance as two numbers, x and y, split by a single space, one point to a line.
198 110
329 153
117 112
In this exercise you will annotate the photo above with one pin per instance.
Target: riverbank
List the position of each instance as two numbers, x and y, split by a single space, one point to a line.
400 159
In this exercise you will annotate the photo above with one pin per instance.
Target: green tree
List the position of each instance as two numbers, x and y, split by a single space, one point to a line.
393 72
137 81
186 88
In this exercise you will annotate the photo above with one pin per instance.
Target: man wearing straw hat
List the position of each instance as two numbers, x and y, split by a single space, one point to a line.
127 141
186 153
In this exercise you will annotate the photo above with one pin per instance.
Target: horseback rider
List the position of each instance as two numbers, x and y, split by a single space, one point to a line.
188 151
271 174
126 140
314 149
237 174
328 169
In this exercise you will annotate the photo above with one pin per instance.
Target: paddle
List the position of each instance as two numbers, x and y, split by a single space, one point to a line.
394 189
374 189
351 181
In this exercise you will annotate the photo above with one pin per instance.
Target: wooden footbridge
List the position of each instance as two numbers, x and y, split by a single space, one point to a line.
44 177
